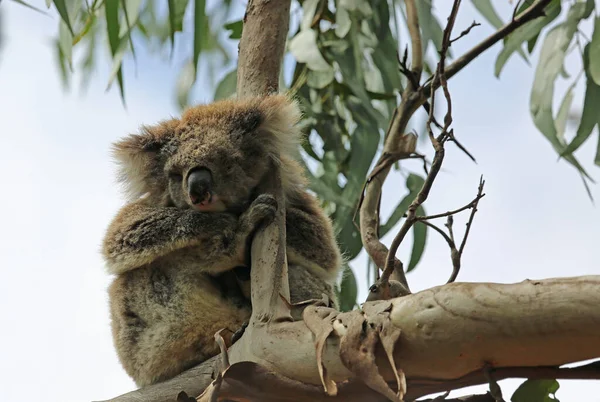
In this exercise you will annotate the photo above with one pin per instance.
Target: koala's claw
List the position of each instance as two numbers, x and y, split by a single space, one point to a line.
238 334
262 210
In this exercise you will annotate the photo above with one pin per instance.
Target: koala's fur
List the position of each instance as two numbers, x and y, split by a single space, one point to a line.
175 285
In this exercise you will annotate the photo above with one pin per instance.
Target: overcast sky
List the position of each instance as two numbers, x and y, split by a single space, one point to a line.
60 194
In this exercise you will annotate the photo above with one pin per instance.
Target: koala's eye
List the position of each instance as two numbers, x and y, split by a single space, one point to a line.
175 176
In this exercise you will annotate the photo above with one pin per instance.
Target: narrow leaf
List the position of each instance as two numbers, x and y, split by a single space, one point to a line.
111 9
591 105
486 9
525 33
176 13
236 28
597 158
563 112
304 48
419 240
414 184
348 290
549 66
23 3
227 86
65 40
594 60
200 29
61 7
536 391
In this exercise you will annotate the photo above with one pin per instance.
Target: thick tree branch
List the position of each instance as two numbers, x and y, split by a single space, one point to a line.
525 329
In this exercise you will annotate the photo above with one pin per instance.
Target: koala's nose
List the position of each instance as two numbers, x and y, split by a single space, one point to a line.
199 184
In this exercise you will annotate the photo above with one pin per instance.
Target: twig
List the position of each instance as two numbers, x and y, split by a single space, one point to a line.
534 11
470 205
516 9
465 32
437 160
480 195
448 224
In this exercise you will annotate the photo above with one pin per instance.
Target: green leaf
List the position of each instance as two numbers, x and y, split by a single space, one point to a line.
186 79
65 41
549 66
348 290
594 64
597 158
304 48
63 65
525 33
23 3
309 7
61 7
227 86
486 9
48 3
414 184
200 29
176 13
563 112
591 105
536 391
111 9
342 22
320 79
419 240
236 28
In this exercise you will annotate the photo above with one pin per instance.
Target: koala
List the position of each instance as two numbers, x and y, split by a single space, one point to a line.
179 249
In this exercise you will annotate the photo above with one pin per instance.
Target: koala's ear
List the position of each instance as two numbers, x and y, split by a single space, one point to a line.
278 126
138 157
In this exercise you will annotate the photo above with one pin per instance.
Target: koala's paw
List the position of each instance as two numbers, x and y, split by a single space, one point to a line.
261 211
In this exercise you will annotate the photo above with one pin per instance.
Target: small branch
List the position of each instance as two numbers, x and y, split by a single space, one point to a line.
480 195
415 37
437 160
534 11
453 212
465 32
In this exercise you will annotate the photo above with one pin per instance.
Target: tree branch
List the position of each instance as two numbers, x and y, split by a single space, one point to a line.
525 330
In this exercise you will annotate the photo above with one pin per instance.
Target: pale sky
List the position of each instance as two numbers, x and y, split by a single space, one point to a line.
535 222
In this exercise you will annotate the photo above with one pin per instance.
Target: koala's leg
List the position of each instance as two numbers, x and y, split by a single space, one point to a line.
311 246
164 317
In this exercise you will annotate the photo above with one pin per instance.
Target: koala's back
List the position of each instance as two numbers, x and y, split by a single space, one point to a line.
164 316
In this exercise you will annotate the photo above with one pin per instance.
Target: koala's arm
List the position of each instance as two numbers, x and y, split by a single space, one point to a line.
310 238
141 233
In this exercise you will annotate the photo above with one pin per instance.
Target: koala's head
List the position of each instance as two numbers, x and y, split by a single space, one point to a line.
215 155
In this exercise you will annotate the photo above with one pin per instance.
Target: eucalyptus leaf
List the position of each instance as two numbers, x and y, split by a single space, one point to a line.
320 79
201 31
343 22
65 41
309 8
526 33
563 112
227 87
594 58
186 79
536 391
591 105
413 184
419 239
348 290
549 66
486 9
304 48
236 28
23 3
176 13
61 7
